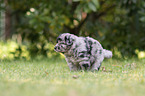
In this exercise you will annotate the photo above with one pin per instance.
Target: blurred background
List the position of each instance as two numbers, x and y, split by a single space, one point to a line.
29 28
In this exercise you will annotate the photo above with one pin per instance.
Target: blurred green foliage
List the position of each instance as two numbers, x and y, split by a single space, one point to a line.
13 50
117 24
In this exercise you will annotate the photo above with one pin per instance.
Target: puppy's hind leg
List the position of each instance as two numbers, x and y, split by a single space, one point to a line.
97 64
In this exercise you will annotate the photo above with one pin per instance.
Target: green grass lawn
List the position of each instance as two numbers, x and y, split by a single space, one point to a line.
49 77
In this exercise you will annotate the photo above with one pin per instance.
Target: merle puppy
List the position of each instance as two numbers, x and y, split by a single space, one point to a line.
81 53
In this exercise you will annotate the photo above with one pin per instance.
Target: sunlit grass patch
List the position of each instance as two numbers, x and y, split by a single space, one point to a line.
52 77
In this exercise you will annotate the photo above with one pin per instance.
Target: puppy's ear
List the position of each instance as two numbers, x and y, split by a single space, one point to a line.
68 40
58 39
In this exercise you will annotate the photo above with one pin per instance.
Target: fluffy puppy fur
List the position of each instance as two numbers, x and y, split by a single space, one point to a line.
81 53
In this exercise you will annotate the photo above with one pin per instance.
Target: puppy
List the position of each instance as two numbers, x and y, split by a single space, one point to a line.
81 53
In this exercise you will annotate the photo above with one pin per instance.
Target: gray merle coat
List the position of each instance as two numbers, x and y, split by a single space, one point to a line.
81 53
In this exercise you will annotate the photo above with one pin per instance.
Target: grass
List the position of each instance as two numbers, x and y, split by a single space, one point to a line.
51 77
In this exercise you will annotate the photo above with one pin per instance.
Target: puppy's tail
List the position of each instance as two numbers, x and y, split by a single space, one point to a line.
107 53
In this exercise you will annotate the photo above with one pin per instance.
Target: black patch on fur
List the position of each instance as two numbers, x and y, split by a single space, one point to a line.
88 45
83 54
76 46
62 52
92 62
75 55
99 66
68 40
100 51
62 47
73 50
86 66
96 51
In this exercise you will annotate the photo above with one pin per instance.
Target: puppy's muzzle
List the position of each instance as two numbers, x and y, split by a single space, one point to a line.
56 48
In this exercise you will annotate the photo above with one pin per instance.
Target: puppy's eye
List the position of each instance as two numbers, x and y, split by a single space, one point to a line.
59 39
